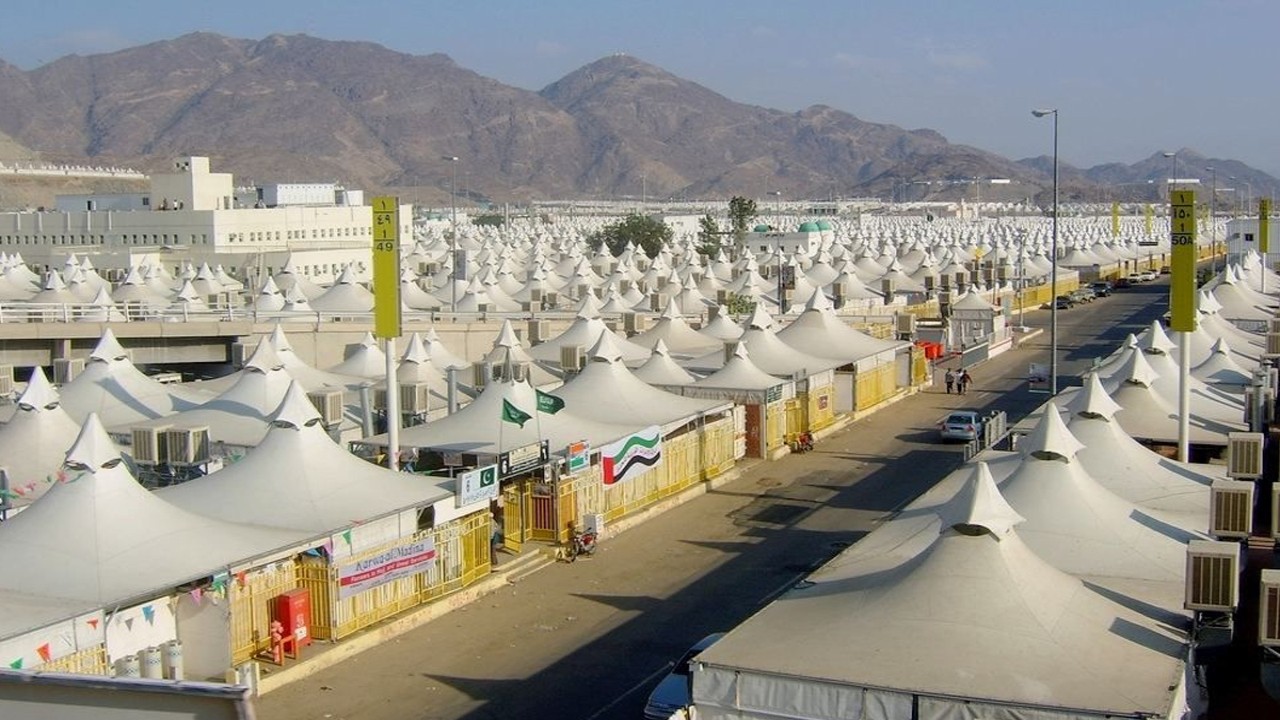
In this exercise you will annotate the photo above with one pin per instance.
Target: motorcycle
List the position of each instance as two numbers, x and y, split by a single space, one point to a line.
580 543
802 443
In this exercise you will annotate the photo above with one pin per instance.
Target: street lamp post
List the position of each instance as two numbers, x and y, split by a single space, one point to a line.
1213 222
1053 272
453 230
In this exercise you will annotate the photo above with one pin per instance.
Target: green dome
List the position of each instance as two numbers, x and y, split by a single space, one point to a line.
824 225
762 228
809 227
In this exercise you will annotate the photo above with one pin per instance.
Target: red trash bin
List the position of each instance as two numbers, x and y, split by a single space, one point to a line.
293 610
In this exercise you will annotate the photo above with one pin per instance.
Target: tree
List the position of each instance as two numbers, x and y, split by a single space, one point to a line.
709 233
644 232
741 212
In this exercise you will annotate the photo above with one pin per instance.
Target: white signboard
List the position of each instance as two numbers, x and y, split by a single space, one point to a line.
397 562
479 485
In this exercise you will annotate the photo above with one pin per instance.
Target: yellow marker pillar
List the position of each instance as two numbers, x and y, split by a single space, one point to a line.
1182 302
386 307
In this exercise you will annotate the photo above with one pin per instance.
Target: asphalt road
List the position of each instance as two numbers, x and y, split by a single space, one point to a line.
589 640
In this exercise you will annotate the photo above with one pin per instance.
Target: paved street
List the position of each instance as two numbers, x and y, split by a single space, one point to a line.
589 640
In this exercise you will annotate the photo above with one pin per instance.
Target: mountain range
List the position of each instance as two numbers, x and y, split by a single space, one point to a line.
304 109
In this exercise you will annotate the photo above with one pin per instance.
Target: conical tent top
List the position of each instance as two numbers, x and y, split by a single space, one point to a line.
188 292
1092 401
760 319
102 298
347 276
39 394
279 340
93 449
295 410
269 287
1155 340
660 348
740 351
108 348
506 336
1051 440
416 352
589 308
368 340
1220 347
607 349
818 301
1208 303
978 505
1137 370
264 358
671 311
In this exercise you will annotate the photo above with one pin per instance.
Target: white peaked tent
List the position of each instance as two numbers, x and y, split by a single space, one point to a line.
290 279
509 350
312 379
112 541
1132 471
440 354
768 352
819 332
585 331
34 443
722 328
240 416
940 614
740 373
344 296
1079 527
120 393
1221 371
479 427
1205 401
1146 415
269 297
676 334
606 390
364 359
1239 304
660 369
299 478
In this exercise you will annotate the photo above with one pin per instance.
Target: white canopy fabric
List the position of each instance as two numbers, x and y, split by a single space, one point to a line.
678 336
118 392
34 442
819 332
585 331
299 478
312 379
661 369
768 352
365 360
947 613
101 536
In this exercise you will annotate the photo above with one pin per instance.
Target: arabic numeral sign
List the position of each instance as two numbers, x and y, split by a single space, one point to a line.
385 246
1182 239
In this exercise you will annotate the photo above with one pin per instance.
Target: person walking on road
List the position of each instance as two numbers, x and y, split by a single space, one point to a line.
964 381
950 379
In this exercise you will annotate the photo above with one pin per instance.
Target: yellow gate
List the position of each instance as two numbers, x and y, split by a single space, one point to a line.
517 514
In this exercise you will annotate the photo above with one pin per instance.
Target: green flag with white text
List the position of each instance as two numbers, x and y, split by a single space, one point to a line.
549 404
513 414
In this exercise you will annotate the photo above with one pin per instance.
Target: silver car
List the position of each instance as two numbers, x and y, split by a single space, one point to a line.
962 425
673 692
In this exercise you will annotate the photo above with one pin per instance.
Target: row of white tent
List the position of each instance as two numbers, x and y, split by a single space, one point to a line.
1043 583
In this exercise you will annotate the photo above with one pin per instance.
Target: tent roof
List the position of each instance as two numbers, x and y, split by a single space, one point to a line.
945 612
112 540
35 440
660 369
299 478
118 392
818 332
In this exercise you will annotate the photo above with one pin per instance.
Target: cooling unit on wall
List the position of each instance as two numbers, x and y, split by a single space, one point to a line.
1244 455
1213 576
1231 508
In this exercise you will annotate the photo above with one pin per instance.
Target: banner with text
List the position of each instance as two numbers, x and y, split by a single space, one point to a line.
479 485
400 561
632 455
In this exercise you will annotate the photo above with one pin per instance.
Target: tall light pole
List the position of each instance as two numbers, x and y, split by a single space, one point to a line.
453 231
1053 272
1213 222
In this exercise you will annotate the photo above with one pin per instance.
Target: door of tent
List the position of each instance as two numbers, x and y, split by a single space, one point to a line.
517 514
739 431
755 431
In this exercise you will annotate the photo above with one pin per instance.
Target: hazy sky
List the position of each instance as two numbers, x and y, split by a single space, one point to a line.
1130 77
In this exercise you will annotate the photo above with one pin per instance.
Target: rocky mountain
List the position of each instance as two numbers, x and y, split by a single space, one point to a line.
301 108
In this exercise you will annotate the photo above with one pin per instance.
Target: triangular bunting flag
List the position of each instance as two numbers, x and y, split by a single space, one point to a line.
196 594
128 623
240 578
513 414
16 664
346 535
149 612
93 623
44 653
548 403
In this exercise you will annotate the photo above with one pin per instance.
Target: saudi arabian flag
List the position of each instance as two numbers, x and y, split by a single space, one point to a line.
513 414
549 404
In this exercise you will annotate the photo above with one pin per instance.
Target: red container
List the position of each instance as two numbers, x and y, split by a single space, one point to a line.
293 610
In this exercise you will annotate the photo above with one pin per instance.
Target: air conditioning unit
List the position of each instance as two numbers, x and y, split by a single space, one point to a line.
483 307
415 398
6 379
838 292
1268 405
480 373
722 296
531 307
519 372
572 358
539 331
930 282
535 295
150 445
1269 610
1231 508
1244 455
550 299
642 286
887 288
906 325
624 286
612 325
658 301
633 323
1213 576
329 404
188 446
1273 325
1275 511
240 354
730 348
66 369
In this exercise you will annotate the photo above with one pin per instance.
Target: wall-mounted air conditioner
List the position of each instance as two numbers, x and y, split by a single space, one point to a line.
329 404
634 323
67 369
730 348
1213 576
722 296
1231 508
480 374
539 331
906 324
188 446
1273 343
519 372
240 354
1275 511
415 398
6 379
1269 610
550 300
658 301
1268 404
572 358
150 445
535 295
1244 455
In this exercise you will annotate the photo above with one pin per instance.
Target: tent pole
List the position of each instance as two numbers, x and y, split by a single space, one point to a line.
393 408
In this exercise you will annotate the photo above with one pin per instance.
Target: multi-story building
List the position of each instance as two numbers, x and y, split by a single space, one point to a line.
192 215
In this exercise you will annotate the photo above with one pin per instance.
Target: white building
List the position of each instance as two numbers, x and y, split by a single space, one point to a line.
191 215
